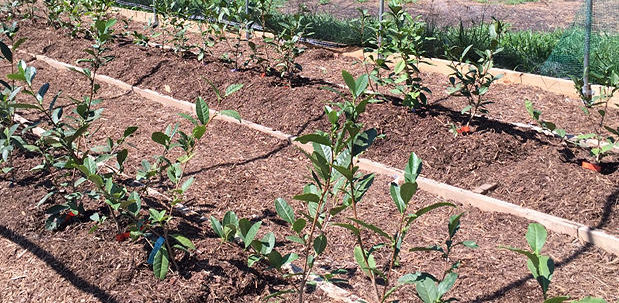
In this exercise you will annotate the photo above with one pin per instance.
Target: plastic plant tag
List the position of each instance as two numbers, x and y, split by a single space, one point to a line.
156 248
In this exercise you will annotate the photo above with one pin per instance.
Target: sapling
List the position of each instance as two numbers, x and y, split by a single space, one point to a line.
10 139
541 266
431 289
330 158
401 40
606 137
286 45
473 79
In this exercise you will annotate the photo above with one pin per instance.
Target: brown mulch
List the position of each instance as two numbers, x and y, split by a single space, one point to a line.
530 169
244 170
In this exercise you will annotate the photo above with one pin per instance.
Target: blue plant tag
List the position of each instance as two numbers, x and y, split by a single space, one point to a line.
156 247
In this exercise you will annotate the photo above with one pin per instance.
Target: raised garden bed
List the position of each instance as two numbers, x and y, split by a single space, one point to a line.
529 168
244 170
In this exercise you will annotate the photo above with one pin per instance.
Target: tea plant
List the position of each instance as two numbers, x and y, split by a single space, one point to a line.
402 38
331 157
606 137
10 139
174 25
431 289
473 79
336 187
286 45
609 80
260 52
541 266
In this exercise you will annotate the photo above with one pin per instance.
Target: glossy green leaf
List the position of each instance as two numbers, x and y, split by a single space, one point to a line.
161 263
284 210
536 236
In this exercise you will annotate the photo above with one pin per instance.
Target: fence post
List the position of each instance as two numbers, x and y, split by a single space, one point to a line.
586 88
155 17
247 36
381 11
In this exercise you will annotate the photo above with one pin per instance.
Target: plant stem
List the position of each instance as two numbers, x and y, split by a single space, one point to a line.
359 239
394 256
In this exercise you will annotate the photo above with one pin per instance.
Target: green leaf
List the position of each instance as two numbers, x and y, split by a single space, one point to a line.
320 243
217 228
232 88
363 141
129 131
160 138
373 228
358 253
6 52
407 191
394 190
350 82
427 290
202 110
413 168
466 109
284 210
454 224
591 300
558 300
183 241
161 263
198 131
470 244
252 259
350 227
187 184
296 239
409 278
231 113
447 283
536 236
309 197
360 85
298 225
90 165
316 138
248 231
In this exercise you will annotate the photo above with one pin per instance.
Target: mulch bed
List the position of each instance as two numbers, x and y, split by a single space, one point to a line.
530 169
244 170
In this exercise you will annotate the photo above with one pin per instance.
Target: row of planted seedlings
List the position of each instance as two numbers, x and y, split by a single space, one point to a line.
82 170
392 58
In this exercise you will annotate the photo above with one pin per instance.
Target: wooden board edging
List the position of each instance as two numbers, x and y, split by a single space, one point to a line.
580 231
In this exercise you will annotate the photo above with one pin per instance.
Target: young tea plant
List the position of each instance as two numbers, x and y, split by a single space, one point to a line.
429 288
10 139
287 47
473 79
332 160
605 136
402 38
541 266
